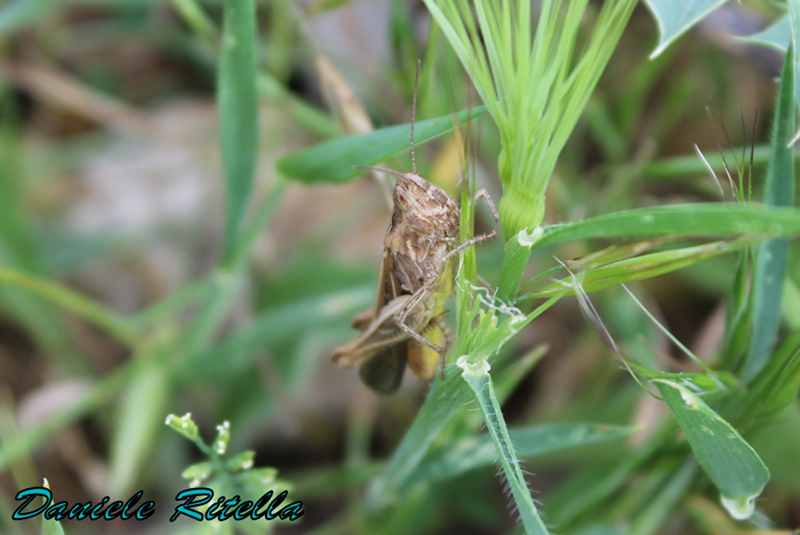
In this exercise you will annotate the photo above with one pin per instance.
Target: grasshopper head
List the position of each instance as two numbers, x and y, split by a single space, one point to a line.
424 207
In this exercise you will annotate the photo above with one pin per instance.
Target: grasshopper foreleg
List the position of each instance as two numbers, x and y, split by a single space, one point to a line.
469 243
482 193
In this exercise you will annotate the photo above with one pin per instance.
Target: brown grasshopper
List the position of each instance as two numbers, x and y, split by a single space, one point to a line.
417 276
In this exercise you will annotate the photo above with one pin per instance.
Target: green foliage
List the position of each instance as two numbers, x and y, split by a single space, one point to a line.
477 377
226 475
238 111
730 462
51 526
771 256
534 88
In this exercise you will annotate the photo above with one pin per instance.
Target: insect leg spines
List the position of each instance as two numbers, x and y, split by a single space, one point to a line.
483 194
469 243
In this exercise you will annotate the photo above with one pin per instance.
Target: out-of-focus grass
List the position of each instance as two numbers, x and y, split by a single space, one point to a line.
222 291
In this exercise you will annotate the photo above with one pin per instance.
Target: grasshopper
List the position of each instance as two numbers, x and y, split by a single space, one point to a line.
417 275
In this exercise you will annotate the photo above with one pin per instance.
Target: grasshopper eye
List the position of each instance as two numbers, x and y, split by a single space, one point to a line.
402 200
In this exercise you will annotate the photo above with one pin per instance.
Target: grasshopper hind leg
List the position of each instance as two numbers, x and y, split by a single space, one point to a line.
448 344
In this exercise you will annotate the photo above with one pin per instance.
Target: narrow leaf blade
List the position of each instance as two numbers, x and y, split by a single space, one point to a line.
334 160
771 256
238 110
478 378
681 220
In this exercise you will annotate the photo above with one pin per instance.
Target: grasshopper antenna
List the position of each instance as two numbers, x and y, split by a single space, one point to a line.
414 118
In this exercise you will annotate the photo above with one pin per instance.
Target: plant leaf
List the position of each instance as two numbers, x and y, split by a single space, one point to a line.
771 256
478 451
273 326
670 492
778 35
679 220
445 399
794 53
642 267
730 462
776 385
334 160
478 378
675 18
51 526
140 418
70 300
238 111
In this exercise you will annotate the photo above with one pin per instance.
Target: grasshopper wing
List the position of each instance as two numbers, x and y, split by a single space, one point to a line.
383 371
388 289
381 348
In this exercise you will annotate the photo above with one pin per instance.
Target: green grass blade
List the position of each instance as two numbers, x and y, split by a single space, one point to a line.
642 267
478 378
793 57
139 421
517 253
479 451
680 220
51 526
251 231
771 257
657 510
445 399
601 530
791 303
589 488
171 305
334 160
197 19
219 296
238 111
313 119
730 462
777 384
331 481
736 341
91 311
276 325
